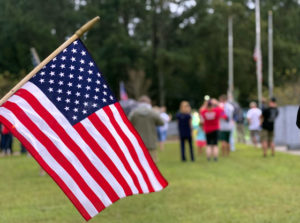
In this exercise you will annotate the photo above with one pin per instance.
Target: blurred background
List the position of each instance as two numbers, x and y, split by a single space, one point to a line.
171 50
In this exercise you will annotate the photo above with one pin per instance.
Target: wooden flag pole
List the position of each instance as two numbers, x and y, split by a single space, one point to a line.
77 35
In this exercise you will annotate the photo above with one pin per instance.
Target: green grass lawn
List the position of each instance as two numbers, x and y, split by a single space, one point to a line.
241 188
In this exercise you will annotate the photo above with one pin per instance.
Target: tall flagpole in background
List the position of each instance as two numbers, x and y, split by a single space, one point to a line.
35 57
270 48
258 54
230 60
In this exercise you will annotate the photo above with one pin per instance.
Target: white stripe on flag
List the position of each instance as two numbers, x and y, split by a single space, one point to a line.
155 183
105 120
101 141
46 103
67 153
51 162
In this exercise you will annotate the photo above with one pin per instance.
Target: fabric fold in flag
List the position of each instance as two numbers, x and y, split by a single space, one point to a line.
68 118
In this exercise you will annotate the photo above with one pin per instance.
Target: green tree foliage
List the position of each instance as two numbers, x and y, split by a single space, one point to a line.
180 46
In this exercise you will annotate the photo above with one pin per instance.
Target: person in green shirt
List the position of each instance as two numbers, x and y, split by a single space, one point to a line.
145 120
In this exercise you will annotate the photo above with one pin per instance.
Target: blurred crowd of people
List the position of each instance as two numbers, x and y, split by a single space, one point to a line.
216 121
261 125
210 127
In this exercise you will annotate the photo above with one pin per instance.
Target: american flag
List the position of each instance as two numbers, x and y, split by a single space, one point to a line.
70 121
123 94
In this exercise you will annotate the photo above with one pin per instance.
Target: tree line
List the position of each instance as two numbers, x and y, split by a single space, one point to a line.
172 50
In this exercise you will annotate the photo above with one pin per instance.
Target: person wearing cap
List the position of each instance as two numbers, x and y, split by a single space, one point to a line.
145 120
268 117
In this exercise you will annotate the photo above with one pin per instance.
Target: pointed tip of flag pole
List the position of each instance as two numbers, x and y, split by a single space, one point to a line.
86 26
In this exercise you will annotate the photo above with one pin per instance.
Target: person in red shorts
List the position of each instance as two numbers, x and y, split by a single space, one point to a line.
211 114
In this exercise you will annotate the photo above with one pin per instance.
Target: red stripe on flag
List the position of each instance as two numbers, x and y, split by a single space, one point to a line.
102 155
158 175
129 145
45 166
114 145
56 154
68 141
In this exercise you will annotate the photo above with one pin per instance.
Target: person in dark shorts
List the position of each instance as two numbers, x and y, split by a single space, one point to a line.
224 136
211 115
212 138
184 120
268 117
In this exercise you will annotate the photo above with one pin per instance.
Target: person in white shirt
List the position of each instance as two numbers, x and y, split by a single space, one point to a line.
226 125
253 117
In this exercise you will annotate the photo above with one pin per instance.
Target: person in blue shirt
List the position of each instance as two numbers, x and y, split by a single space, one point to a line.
200 135
184 127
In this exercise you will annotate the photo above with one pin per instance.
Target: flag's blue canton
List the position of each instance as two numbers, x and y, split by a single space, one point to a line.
74 84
